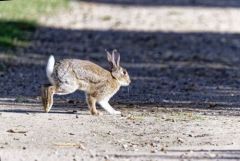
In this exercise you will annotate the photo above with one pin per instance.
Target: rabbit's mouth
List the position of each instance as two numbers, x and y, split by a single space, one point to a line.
124 83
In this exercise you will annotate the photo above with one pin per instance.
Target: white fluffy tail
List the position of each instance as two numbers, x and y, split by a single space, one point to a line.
49 69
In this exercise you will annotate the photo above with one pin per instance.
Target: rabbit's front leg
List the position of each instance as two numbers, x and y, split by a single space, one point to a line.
91 101
108 107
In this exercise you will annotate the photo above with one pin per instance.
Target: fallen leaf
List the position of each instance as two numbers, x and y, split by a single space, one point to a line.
153 151
77 145
130 117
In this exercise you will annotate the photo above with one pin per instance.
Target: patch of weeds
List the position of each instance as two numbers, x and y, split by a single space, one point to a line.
180 116
186 116
3 67
18 19
19 99
16 33
22 99
135 117
174 12
106 18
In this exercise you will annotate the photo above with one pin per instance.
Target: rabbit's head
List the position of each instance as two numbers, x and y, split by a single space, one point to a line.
118 72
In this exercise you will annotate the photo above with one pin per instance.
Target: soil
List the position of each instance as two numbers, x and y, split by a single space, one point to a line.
182 104
141 133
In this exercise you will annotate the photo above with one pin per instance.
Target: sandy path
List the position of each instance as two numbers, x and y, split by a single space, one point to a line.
142 133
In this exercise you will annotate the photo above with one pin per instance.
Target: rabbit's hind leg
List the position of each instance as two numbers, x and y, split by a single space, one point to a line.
91 101
47 96
49 90
65 88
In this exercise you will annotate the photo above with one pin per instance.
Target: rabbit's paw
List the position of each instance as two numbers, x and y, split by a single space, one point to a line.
116 113
96 113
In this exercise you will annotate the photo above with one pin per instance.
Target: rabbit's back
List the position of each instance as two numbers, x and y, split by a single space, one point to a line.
79 74
91 72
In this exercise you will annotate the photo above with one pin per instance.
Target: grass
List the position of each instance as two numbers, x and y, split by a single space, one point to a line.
15 33
28 10
106 18
186 116
19 18
176 116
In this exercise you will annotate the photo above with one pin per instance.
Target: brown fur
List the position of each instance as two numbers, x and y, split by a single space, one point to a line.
99 84
47 96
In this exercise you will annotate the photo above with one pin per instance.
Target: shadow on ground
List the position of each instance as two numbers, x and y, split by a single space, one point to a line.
179 3
194 154
15 33
198 70
63 106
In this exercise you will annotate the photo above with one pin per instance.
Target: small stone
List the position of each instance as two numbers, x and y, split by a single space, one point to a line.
125 146
135 149
74 111
212 155
71 101
163 117
180 140
82 147
106 157
153 144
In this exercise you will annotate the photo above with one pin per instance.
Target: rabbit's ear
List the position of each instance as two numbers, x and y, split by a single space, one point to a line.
109 56
111 60
116 57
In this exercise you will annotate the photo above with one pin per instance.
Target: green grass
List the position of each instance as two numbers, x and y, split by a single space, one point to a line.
15 33
19 18
29 9
185 116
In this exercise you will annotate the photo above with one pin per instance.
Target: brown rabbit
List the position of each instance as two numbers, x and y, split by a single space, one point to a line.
69 75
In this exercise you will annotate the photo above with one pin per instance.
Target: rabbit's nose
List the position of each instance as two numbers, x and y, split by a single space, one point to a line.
129 81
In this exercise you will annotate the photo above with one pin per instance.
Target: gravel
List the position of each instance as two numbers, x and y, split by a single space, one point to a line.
197 64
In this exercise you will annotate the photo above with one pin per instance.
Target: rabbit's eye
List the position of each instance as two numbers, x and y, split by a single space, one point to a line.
124 72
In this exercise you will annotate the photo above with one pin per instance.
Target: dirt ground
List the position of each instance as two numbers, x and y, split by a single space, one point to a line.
183 103
141 133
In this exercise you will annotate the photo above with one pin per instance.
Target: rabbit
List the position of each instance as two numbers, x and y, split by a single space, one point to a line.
99 84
